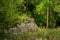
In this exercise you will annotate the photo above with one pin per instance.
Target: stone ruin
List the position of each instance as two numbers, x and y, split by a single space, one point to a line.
25 27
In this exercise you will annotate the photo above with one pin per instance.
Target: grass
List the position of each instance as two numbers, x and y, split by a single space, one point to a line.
41 34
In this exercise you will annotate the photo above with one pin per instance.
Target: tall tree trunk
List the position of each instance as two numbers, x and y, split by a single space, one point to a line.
48 16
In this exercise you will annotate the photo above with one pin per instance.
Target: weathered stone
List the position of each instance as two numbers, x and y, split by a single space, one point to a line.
25 27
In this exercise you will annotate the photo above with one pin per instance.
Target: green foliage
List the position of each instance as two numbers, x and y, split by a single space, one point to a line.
41 5
13 11
57 8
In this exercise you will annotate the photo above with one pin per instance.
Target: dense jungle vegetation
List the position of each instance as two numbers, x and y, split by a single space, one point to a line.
45 13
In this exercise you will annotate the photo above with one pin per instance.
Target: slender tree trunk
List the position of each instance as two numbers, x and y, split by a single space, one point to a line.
48 16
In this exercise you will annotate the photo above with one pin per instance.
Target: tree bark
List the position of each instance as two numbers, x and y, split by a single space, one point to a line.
48 16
